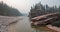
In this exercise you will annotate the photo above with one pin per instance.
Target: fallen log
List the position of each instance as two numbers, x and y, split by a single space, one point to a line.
52 19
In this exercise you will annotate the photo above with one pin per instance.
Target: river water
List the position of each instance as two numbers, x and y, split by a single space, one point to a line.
23 25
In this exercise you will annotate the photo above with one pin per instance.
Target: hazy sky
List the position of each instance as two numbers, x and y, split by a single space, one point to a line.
24 5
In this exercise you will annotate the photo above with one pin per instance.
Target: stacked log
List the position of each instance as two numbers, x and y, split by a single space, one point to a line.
48 19
51 22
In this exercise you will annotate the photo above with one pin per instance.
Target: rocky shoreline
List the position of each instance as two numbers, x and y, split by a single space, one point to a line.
5 21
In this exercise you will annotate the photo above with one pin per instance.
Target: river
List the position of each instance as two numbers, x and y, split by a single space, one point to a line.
23 25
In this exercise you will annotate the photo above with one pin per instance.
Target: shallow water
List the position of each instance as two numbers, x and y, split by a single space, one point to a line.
23 25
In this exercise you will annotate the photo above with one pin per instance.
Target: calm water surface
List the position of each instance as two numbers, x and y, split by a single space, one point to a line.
23 25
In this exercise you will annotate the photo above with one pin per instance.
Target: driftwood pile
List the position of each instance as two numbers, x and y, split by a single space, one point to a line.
48 19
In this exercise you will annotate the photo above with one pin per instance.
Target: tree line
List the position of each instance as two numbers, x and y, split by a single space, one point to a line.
6 10
40 9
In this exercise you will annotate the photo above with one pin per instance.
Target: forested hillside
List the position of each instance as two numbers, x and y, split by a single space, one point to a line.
6 10
40 9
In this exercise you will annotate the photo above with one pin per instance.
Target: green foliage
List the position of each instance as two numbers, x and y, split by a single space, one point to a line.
5 10
40 9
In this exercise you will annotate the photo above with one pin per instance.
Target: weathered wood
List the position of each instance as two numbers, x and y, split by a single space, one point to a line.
52 19
46 19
